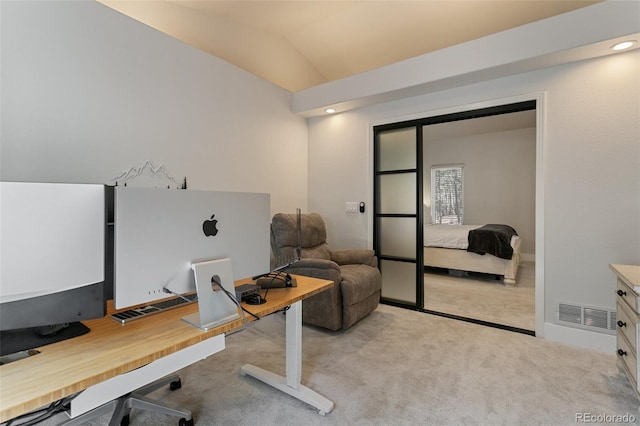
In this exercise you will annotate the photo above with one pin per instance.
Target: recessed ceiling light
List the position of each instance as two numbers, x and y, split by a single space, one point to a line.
624 45
330 110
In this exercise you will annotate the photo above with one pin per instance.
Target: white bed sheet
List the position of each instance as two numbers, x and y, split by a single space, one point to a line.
447 236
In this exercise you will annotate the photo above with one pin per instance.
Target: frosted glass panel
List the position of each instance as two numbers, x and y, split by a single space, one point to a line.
397 149
398 281
398 193
398 237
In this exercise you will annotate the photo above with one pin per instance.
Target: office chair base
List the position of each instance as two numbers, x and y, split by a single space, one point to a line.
122 406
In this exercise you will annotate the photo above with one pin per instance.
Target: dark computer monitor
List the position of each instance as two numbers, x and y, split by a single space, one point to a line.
52 252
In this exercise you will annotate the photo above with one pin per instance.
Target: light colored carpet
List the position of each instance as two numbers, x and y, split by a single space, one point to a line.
482 297
402 367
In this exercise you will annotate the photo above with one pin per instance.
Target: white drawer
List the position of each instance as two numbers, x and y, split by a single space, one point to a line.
627 322
628 359
628 295
117 386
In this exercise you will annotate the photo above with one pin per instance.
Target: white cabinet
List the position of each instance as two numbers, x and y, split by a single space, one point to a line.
627 308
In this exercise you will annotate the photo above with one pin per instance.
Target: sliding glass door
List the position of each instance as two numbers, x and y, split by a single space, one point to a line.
400 189
398 221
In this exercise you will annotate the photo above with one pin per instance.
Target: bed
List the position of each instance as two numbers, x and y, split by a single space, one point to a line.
469 248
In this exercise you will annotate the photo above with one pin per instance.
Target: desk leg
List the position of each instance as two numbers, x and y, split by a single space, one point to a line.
291 383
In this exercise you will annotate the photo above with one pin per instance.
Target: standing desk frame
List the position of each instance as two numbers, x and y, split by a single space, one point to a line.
291 383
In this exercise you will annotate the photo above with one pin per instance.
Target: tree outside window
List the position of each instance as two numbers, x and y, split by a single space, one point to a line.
446 194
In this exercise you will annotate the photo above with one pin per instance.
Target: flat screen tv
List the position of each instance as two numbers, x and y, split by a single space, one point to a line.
160 233
52 257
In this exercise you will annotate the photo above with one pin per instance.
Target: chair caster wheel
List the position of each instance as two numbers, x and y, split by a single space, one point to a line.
175 385
185 422
322 413
124 421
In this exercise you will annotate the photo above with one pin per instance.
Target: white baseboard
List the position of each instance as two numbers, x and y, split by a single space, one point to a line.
580 338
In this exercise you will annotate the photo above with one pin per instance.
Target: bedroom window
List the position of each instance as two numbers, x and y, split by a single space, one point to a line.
446 194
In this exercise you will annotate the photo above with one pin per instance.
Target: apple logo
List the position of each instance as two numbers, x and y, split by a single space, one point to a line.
209 227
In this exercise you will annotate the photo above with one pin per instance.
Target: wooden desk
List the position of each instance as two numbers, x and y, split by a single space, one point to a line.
111 349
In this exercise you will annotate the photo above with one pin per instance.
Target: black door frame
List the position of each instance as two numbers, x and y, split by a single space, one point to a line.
419 124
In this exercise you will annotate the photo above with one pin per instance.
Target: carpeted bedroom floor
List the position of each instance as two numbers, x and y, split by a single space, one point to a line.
481 297
402 367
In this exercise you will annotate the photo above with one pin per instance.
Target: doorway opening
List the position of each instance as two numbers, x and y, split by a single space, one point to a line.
497 147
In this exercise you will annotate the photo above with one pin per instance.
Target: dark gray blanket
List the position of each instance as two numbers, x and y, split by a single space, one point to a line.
492 239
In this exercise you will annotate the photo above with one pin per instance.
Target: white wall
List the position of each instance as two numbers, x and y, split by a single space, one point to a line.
591 168
88 92
499 177
339 171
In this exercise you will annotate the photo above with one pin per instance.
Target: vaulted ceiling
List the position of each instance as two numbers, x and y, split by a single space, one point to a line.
301 44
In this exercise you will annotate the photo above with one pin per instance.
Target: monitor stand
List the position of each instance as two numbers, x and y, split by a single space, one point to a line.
214 306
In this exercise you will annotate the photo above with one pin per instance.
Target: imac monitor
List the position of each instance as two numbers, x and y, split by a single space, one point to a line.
160 233
52 248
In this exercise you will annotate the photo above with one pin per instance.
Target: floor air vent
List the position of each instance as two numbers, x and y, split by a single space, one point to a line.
587 317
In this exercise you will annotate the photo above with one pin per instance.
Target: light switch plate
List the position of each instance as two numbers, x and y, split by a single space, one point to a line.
351 207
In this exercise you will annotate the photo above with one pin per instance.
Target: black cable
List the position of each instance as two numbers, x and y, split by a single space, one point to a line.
266 291
274 275
166 290
283 310
234 300
250 313
48 412
254 299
